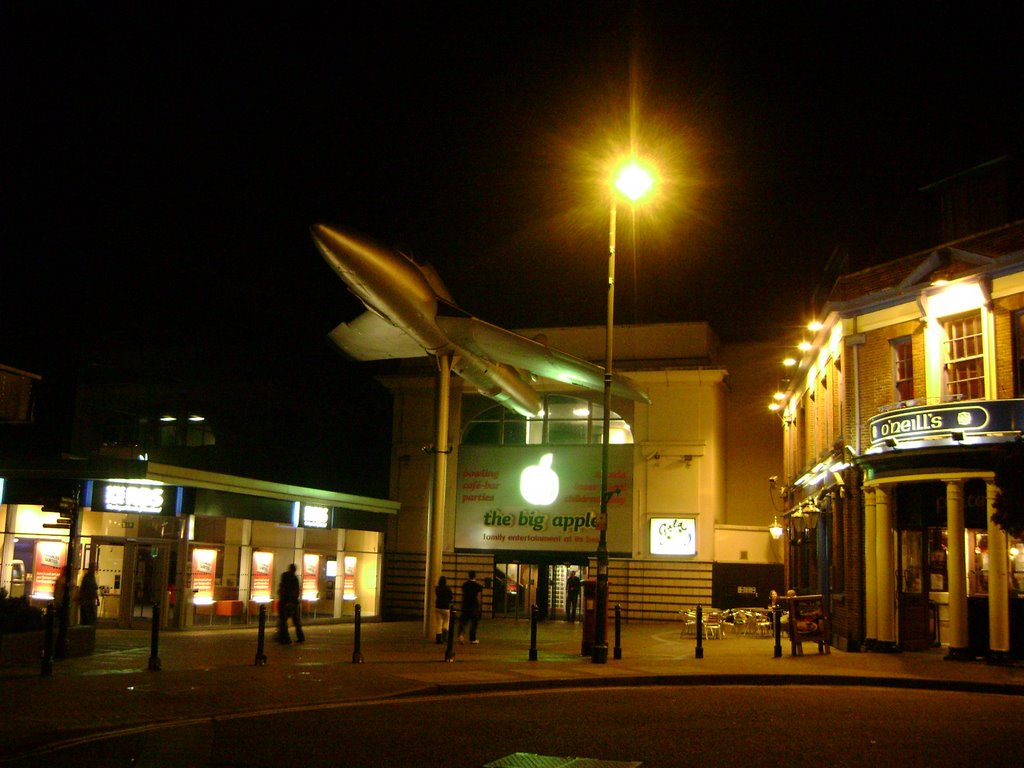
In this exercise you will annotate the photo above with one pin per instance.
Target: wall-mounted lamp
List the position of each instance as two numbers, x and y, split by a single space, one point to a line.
775 529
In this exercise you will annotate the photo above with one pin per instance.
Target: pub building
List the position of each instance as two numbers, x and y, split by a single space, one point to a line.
908 385
204 549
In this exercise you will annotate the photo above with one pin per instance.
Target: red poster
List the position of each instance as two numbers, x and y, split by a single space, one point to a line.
204 572
49 565
310 569
262 576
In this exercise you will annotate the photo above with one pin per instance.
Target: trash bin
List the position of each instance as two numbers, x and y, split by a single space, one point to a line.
590 616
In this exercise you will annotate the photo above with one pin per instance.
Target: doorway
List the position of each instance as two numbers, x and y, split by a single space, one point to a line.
132 577
521 584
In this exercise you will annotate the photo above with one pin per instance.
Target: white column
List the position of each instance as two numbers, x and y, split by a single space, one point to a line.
956 566
436 514
870 568
886 568
998 581
245 563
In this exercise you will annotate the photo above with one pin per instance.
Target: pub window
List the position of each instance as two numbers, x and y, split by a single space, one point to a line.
1018 353
965 362
903 368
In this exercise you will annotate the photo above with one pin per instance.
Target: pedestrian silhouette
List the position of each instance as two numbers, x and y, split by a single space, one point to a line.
288 594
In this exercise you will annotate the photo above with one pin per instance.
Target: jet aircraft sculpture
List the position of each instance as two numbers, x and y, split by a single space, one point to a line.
410 314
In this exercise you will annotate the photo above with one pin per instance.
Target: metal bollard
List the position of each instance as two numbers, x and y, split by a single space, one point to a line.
47 661
449 650
357 652
617 651
777 621
533 632
700 634
154 640
261 637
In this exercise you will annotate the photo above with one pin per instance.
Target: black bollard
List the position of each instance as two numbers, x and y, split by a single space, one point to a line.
777 621
357 652
617 651
154 640
449 650
534 612
261 637
700 634
47 662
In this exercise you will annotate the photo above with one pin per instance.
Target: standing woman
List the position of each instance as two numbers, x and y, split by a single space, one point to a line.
442 608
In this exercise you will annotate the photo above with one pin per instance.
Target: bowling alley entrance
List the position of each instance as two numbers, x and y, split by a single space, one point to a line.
520 583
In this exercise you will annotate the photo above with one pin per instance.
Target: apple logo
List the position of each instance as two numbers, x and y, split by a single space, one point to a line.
538 483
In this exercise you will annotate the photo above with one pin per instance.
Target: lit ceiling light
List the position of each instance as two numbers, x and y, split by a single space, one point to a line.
804 346
774 406
814 326
168 418
581 412
195 417
789 362
779 396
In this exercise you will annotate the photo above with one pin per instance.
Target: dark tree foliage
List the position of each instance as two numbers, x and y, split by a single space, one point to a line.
1009 503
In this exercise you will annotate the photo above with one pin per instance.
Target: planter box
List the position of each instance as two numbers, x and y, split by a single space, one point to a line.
26 648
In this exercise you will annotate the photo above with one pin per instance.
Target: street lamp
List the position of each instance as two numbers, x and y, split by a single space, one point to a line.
634 182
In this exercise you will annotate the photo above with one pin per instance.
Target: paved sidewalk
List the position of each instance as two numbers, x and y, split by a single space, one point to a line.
213 673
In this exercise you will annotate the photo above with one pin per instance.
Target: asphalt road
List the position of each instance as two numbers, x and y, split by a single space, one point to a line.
706 726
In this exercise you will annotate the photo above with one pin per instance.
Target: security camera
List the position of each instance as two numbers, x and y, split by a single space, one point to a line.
773 480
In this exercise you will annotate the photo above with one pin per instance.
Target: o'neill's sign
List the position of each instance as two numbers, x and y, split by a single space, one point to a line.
930 421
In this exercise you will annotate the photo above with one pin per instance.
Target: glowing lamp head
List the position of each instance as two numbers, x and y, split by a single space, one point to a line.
634 181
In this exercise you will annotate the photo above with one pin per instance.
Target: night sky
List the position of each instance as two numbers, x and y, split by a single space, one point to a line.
162 162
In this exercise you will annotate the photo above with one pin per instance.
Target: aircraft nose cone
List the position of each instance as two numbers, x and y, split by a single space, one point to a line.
321 232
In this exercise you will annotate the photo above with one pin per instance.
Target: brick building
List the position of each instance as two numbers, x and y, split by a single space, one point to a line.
893 422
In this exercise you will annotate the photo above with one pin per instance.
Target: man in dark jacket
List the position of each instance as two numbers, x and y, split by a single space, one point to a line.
288 594
472 607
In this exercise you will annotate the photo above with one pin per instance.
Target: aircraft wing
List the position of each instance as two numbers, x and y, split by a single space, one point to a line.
503 346
371 337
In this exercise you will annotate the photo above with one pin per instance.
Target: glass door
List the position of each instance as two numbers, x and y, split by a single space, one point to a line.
149 565
913 592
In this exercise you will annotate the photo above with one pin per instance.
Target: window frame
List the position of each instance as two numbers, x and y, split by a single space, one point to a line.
968 346
902 351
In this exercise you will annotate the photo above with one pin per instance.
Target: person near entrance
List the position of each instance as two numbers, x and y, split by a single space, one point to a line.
88 596
472 607
442 608
288 594
572 595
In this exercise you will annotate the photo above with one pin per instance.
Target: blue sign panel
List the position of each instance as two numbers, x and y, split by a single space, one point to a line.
971 418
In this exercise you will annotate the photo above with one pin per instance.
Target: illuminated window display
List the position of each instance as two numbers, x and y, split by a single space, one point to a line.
202 557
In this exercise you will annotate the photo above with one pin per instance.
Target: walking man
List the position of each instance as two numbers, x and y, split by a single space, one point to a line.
288 594
572 595
472 607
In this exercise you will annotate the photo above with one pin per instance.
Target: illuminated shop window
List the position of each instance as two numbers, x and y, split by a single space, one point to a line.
567 420
965 362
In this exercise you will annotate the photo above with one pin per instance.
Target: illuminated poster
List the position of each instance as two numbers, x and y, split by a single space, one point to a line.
50 559
204 572
262 577
673 536
349 592
542 498
310 571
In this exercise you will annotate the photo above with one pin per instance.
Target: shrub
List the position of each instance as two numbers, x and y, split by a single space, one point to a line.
16 615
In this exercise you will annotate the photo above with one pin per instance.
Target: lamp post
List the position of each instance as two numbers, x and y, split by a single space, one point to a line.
634 182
